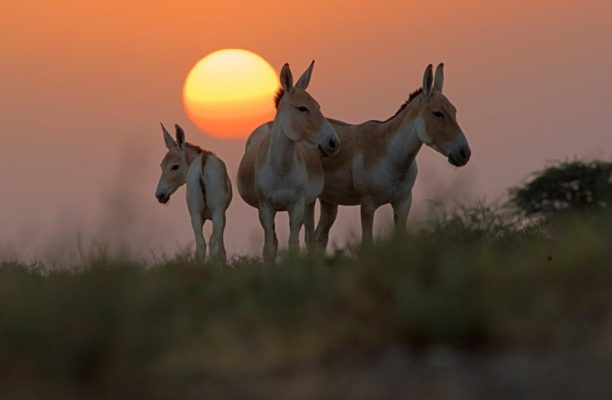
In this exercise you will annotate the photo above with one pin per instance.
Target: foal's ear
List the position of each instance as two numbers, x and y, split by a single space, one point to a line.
439 78
170 143
305 78
428 80
286 78
180 136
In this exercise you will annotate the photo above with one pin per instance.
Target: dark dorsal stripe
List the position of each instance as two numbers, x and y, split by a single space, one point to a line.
204 156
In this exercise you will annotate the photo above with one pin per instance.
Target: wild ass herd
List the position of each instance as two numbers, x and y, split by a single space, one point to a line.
301 155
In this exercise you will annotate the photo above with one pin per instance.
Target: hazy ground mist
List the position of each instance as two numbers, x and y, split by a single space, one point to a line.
118 212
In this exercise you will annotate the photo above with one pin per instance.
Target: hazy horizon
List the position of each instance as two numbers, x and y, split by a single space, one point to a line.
84 86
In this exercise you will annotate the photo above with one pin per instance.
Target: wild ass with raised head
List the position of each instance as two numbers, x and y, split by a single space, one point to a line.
376 164
281 168
209 190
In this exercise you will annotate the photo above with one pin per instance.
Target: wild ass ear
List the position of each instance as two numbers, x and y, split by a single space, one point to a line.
286 78
180 136
305 78
170 143
439 78
427 80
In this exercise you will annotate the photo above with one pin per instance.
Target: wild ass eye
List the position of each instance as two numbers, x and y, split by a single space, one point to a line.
438 114
174 167
302 109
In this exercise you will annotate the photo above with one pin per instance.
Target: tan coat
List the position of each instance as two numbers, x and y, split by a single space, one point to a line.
280 169
376 164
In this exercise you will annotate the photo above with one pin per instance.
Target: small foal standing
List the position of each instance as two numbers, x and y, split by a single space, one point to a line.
377 165
209 190
281 169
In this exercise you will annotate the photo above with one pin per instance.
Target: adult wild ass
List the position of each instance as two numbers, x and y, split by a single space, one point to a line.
377 165
281 168
209 190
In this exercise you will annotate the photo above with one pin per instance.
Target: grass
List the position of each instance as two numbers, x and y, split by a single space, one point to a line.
467 281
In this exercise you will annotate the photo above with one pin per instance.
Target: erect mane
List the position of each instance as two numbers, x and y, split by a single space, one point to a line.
412 96
193 147
281 92
278 96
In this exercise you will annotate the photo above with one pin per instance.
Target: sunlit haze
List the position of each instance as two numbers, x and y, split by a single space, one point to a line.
85 85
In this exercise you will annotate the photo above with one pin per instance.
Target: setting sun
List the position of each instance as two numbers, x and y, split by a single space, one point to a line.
229 93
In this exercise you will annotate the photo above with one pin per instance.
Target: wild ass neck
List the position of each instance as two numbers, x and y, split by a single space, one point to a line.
281 151
401 133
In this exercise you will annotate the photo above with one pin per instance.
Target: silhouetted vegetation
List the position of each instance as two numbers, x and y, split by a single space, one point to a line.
574 186
466 282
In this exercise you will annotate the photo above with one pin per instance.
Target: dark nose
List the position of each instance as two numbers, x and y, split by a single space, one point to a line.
465 153
333 144
461 157
160 197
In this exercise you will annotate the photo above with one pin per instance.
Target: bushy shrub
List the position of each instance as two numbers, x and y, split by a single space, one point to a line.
572 186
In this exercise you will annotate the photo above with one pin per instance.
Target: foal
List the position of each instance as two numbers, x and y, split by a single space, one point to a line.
209 190
281 168
377 164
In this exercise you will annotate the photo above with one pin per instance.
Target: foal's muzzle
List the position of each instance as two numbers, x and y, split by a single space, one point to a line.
162 197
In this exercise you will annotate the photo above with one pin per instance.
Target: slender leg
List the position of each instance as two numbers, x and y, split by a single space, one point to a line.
197 223
329 212
296 219
367 220
266 217
400 214
217 247
309 227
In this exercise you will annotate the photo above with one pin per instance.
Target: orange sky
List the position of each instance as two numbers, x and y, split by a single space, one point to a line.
84 85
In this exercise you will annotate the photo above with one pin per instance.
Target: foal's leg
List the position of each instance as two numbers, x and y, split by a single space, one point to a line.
401 209
367 222
196 205
296 219
329 212
197 223
309 228
217 247
266 217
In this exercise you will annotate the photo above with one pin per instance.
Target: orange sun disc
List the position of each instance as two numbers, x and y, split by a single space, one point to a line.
228 93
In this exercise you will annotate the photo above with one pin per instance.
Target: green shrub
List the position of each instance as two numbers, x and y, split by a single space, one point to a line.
574 186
